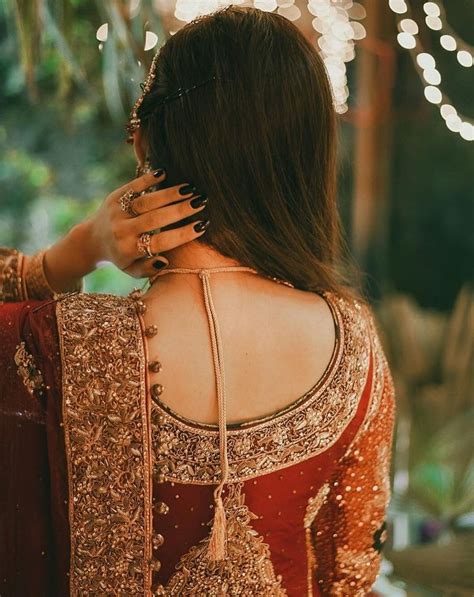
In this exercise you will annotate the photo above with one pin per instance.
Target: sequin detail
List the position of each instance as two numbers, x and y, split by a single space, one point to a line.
107 445
27 369
343 531
301 431
247 570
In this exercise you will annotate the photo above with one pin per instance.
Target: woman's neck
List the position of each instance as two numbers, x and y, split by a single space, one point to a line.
197 255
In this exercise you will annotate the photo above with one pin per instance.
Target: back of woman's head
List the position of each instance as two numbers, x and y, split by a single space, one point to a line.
259 139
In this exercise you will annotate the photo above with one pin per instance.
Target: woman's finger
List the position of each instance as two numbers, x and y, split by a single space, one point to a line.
170 239
165 241
146 268
140 184
141 267
171 214
149 201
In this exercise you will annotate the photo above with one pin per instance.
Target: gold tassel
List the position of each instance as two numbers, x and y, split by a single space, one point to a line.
218 542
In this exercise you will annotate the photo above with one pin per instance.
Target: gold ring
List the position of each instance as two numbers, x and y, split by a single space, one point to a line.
143 244
126 203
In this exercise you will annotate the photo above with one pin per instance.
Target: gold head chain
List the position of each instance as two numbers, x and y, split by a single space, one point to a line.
134 121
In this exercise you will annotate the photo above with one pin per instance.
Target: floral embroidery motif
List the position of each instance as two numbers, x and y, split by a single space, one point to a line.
27 369
303 430
107 445
247 570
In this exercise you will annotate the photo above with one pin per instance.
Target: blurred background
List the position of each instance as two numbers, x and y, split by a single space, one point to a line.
402 76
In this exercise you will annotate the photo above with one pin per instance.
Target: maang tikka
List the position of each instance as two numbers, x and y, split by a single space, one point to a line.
134 121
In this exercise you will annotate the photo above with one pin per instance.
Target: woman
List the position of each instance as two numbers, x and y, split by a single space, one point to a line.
227 431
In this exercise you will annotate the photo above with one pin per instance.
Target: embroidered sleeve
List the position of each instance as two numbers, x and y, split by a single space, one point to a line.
12 287
349 530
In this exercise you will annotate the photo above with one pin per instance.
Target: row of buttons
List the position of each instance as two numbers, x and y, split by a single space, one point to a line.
155 391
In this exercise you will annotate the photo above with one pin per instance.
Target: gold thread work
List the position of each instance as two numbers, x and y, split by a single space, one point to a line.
107 445
247 569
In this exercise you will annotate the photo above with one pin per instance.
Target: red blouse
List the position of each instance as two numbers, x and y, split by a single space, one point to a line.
106 491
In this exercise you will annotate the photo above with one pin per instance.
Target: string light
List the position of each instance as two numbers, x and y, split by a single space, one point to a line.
332 20
426 63
151 39
338 26
398 6
436 20
287 9
336 22
102 32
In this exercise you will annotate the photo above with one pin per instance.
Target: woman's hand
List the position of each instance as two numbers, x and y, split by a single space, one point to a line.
112 234
115 233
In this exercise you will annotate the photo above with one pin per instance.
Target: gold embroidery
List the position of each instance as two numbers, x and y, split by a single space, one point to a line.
107 443
305 429
313 507
247 570
27 369
11 283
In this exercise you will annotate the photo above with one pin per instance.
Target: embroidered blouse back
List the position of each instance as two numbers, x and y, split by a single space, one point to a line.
286 496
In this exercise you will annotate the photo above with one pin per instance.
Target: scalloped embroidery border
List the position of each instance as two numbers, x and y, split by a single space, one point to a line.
190 454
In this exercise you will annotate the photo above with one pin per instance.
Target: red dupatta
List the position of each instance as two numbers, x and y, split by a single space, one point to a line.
34 550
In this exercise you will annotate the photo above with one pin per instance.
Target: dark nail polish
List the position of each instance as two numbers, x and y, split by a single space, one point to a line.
159 264
202 225
158 173
189 188
199 201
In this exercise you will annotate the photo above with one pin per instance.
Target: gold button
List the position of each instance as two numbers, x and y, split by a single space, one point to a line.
162 508
156 390
151 331
155 366
141 307
156 565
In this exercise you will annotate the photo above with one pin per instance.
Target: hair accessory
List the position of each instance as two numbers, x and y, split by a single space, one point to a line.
143 244
183 91
134 121
126 203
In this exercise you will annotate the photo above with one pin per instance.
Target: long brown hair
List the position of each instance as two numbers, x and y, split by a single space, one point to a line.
259 139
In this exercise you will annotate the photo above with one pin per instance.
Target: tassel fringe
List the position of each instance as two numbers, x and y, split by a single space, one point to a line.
218 542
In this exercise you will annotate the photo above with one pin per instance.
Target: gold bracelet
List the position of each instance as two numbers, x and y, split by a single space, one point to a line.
11 279
37 285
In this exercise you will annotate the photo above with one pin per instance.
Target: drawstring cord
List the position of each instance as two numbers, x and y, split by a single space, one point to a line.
217 545
217 549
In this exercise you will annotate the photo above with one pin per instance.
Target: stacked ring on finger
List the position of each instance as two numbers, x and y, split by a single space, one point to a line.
126 203
143 244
